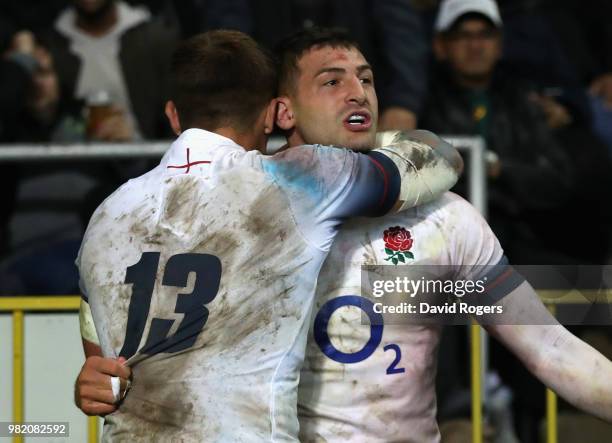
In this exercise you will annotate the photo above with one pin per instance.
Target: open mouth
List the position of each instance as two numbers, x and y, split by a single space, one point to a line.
358 121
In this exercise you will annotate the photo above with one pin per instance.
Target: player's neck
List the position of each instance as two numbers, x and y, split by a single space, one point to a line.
249 140
294 138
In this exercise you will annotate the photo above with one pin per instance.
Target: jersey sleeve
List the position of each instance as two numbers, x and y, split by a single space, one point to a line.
327 185
477 254
86 323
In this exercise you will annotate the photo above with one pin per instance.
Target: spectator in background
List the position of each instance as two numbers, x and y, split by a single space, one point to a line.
546 45
114 58
586 36
540 42
592 192
528 175
99 46
43 117
41 220
17 67
96 47
107 48
531 184
565 46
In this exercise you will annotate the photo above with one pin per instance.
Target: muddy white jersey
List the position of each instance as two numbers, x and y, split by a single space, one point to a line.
376 382
202 273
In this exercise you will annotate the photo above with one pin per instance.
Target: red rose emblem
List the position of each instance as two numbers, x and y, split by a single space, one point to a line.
397 239
398 242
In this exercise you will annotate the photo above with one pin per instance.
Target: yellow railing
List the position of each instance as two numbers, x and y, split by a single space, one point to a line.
476 377
18 306
476 363
551 401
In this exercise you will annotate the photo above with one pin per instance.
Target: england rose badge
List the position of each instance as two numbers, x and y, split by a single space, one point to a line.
398 243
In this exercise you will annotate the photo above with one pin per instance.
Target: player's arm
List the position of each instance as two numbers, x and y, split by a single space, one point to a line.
416 167
563 362
427 165
560 360
93 390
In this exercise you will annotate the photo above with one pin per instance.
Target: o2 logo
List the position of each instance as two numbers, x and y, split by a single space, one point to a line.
376 330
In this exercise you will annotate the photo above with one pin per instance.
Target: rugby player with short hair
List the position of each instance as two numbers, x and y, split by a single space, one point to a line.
201 273
376 383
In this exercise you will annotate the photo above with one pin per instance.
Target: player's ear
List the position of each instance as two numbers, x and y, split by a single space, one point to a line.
173 117
285 117
270 116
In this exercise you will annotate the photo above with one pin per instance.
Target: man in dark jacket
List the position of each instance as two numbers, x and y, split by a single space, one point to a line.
530 179
528 174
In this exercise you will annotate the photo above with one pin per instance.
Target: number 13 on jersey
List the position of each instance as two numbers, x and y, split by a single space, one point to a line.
142 276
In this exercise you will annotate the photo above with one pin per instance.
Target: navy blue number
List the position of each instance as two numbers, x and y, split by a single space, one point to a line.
322 320
207 269
142 276
393 369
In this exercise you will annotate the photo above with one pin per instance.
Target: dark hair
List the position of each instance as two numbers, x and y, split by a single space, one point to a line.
292 48
221 78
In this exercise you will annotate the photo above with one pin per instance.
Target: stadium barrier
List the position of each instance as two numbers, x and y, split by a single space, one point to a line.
473 147
17 307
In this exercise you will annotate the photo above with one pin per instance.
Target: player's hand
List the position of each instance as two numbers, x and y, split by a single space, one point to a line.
444 148
93 392
557 115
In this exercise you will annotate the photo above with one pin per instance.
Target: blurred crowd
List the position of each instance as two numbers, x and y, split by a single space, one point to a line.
535 81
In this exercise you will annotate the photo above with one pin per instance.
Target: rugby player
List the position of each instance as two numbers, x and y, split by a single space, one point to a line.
201 273
375 383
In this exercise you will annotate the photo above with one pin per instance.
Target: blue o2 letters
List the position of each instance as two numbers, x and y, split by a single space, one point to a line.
322 339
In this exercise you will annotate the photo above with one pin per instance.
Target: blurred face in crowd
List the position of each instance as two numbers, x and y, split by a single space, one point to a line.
332 100
471 48
92 9
45 91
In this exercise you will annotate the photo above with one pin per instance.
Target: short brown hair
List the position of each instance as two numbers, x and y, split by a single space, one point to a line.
221 78
292 48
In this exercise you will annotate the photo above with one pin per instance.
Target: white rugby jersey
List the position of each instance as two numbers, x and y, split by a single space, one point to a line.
386 390
202 273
